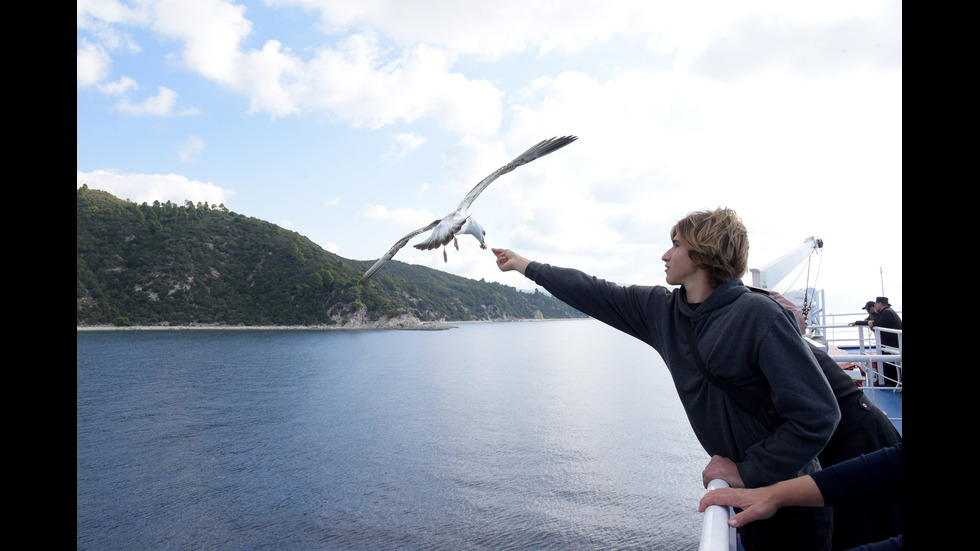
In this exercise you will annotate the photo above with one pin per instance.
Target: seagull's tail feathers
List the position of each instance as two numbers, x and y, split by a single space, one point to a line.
440 236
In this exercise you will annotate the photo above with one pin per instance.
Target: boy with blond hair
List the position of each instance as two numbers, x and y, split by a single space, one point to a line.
755 396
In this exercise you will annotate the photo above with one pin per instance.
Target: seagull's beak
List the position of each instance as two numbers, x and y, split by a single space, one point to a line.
483 245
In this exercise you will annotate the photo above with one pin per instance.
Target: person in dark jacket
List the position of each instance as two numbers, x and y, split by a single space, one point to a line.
869 479
886 317
869 307
863 428
742 338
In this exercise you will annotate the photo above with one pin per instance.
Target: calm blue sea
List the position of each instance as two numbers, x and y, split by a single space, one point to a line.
525 435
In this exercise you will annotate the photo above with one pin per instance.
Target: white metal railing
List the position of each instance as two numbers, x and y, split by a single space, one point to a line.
885 351
716 534
870 351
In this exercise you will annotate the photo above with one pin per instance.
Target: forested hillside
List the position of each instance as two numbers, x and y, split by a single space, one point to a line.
168 264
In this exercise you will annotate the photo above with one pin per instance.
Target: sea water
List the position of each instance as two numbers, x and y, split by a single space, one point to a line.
522 435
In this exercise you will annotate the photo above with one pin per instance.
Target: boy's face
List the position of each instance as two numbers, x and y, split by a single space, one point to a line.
680 268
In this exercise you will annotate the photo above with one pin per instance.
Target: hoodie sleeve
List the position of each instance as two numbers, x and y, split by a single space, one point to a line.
804 402
624 308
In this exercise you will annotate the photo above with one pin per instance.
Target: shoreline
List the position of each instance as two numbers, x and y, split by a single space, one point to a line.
422 326
95 328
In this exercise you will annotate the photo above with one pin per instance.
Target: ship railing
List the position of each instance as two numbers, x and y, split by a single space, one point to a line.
887 354
716 534
868 353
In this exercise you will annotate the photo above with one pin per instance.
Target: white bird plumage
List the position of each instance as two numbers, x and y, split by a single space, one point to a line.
459 221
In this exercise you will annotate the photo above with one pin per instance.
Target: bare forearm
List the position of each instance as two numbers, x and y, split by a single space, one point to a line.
762 503
800 492
508 260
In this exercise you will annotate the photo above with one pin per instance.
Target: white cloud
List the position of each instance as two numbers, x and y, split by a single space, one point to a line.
365 84
164 104
95 14
119 87
361 87
406 217
356 81
679 106
107 22
92 64
403 144
146 188
488 30
494 30
211 33
191 149
775 42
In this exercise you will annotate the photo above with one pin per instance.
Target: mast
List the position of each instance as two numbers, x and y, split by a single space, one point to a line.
771 274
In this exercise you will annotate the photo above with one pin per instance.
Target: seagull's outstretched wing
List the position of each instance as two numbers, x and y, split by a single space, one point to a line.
452 222
394 249
540 150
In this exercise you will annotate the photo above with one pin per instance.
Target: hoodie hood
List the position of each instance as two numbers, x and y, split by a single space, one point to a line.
723 295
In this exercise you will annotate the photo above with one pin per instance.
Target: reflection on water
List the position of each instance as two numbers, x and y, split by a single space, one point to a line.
532 435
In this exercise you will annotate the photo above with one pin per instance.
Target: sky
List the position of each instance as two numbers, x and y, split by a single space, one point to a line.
353 123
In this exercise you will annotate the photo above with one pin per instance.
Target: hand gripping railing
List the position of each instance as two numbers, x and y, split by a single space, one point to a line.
716 534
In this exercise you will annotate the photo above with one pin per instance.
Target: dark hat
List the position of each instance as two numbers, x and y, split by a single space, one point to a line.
883 300
869 304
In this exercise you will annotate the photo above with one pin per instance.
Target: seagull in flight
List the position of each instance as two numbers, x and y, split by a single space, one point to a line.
458 222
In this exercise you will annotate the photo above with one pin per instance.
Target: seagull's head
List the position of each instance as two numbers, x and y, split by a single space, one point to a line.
472 227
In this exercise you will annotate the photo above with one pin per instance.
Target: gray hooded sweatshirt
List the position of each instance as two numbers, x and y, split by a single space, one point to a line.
745 338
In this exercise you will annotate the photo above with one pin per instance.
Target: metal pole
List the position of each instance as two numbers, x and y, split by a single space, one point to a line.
716 534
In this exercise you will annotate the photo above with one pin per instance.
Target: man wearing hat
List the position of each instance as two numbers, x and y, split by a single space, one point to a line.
886 317
869 307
